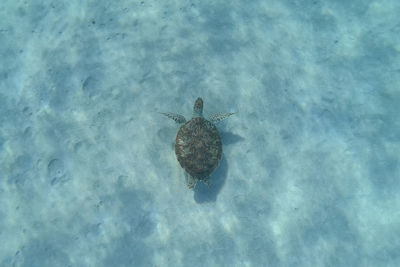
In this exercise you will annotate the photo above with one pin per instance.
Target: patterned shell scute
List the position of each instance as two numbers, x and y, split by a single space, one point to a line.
198 147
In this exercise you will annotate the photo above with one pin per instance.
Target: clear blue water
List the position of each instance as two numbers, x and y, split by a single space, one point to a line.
310 171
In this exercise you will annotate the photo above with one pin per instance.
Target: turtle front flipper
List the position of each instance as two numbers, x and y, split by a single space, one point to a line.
220 116
176 117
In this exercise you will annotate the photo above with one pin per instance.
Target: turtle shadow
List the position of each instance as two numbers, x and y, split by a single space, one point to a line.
203 193
230 138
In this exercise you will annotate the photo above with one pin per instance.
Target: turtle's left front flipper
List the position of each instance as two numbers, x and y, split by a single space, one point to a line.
220 116
176 117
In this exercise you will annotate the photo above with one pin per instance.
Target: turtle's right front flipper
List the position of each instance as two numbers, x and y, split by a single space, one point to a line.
176 117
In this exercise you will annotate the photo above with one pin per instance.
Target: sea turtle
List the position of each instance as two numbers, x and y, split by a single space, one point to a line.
198 146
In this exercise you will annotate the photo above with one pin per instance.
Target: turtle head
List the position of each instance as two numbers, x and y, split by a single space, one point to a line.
198 108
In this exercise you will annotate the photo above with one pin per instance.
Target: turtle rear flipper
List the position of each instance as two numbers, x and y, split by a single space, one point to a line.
190 181
207 181
220 116
176 117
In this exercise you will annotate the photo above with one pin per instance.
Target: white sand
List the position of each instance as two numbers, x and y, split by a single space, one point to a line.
310 174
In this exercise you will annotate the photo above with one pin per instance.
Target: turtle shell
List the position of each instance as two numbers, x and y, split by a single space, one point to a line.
198 147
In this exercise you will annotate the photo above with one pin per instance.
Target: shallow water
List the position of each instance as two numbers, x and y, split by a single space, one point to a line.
309 174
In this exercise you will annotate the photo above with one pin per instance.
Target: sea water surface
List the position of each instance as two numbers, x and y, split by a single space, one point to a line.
311 163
